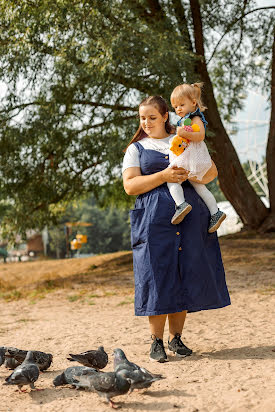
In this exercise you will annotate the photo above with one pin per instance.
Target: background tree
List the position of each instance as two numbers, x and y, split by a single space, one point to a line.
73 72
110 230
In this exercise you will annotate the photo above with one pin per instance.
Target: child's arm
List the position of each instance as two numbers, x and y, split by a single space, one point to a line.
193 136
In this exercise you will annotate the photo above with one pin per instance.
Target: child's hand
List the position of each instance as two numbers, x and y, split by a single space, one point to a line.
181 132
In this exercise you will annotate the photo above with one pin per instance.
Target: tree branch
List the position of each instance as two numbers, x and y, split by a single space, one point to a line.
82 102
182 22
105 105
270 149
232 24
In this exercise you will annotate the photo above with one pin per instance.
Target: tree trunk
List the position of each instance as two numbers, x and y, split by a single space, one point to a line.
232 178
269 223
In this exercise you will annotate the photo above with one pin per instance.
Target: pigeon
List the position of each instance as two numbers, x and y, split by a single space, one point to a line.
97 359
42 359
105 384
67 377
2 355
11 363
25 374
140 377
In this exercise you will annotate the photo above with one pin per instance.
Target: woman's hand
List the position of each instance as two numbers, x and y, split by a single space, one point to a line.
174 174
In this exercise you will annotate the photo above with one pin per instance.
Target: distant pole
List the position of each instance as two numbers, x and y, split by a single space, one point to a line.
67 242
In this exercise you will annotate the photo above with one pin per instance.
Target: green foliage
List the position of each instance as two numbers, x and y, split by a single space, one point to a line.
73 72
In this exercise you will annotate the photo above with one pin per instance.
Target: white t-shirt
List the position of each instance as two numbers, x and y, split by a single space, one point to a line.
131 157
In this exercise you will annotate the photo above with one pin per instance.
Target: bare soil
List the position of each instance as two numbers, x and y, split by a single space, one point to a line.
77 304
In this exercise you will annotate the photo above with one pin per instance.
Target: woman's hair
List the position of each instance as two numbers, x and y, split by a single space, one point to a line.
160 104
191 91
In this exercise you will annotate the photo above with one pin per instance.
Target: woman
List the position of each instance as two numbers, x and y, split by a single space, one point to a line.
178 268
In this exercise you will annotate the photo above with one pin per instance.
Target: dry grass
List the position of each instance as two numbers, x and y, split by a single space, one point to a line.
104 274
244 254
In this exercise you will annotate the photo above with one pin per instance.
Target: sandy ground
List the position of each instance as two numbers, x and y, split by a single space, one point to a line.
232 368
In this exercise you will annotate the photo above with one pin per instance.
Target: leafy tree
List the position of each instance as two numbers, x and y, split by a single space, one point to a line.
73 72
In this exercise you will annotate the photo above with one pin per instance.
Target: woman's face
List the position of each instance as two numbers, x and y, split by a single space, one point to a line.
152 122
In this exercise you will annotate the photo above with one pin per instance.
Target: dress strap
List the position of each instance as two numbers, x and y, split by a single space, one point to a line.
139 147
190 115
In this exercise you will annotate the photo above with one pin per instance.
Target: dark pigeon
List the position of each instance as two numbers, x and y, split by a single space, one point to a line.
42 359
67 377
25 374
97 359
105 384
2 355
140 377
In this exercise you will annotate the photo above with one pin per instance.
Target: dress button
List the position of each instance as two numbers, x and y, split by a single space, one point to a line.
166 157
180 248
177 233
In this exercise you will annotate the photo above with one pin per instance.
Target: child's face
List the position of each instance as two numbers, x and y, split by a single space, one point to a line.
184 105
152 121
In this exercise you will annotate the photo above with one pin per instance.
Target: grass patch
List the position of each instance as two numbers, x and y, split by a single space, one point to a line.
127 301
11 295
269 290
73 298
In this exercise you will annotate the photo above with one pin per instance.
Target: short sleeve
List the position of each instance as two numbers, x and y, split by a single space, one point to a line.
131 158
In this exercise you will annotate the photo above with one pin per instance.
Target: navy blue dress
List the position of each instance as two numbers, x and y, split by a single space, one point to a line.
176 267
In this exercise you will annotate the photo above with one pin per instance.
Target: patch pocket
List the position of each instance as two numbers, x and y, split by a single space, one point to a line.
139 226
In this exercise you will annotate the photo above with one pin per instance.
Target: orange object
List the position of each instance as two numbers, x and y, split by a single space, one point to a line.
75 244
178 145
195 127
81 238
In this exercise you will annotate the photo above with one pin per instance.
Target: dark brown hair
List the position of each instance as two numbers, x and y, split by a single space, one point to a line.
160 104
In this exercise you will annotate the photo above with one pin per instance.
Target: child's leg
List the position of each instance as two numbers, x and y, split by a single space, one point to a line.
183 208
206 196
177 193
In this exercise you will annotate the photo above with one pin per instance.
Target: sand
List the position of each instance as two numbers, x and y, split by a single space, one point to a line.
232 368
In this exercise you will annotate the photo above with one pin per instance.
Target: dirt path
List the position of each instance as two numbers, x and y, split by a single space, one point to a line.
233 366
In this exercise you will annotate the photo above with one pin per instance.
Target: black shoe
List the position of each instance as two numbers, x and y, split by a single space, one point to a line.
158 353
178 347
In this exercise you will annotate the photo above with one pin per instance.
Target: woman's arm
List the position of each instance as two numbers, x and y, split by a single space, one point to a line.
210 175
135 183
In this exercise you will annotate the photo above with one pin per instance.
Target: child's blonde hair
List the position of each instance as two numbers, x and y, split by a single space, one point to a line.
191 91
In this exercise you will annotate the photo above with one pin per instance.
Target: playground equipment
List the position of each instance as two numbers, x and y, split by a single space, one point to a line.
78 241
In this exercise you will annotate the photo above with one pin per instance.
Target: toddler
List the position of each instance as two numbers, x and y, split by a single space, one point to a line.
186 100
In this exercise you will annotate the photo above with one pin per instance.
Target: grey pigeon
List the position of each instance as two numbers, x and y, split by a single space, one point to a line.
25 374
42 359
67 377
97 359
140 377
105 384
11 363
